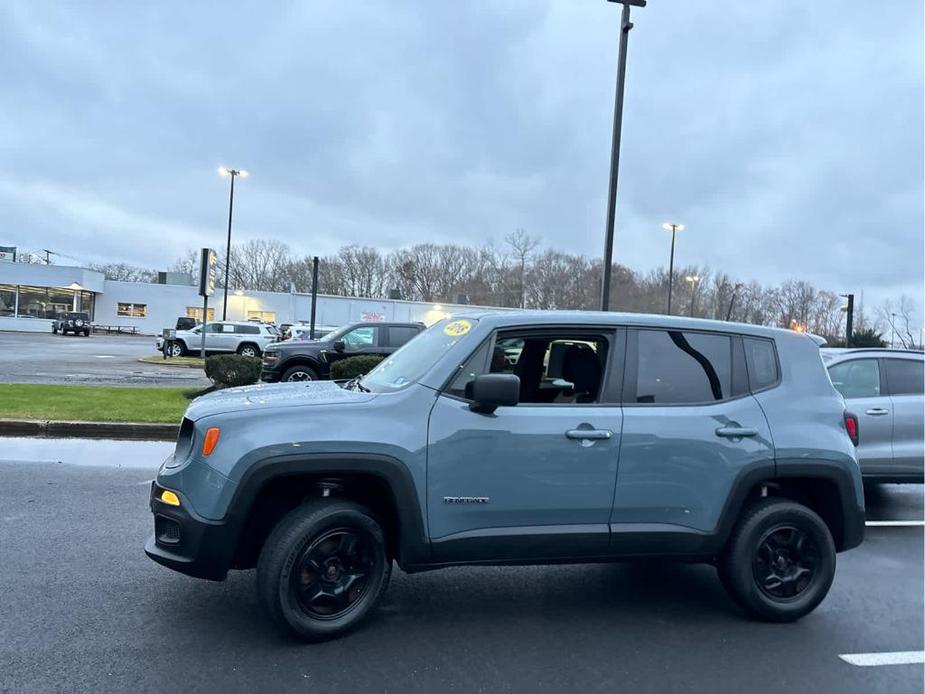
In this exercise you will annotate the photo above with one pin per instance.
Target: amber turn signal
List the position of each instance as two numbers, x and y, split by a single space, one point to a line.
211 441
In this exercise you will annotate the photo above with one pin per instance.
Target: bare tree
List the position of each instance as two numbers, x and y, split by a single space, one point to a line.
124 272
522 244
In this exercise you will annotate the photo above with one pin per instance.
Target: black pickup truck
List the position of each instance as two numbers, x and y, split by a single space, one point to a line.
310 360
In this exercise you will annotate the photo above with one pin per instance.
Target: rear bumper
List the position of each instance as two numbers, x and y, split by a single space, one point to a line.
187 543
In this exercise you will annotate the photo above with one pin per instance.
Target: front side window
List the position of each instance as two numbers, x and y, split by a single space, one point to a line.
358 338
858 378
680 367
905 376
132 310
553 369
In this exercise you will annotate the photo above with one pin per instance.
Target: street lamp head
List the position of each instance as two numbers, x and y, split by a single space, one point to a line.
692 278
225 171
668 226
243 173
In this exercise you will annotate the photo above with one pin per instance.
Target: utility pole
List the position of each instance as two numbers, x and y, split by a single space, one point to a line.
234 173
48 255
849 320
311 327
732 300
625 26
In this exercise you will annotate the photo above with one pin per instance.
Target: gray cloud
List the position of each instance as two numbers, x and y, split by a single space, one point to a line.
787 136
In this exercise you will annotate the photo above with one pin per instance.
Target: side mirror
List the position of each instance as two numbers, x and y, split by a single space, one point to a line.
490 391
339 346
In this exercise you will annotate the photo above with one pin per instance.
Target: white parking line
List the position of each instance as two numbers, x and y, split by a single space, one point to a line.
874 659
104 356
895 524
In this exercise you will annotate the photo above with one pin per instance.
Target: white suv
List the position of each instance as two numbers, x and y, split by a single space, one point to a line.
246 338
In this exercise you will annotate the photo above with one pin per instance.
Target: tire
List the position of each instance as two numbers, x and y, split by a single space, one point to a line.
303 538
249 350
54 330
299 373
780 561
87 333
177 349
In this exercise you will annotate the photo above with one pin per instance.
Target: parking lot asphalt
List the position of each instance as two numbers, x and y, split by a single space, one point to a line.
84 609
95 360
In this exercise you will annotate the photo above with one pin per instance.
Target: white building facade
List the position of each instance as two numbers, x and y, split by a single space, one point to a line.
32 295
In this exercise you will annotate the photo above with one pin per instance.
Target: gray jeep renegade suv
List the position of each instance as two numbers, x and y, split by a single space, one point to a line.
523 437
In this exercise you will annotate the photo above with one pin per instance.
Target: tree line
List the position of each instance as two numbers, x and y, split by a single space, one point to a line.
521 273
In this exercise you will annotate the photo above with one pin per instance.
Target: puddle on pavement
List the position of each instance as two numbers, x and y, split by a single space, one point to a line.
126 454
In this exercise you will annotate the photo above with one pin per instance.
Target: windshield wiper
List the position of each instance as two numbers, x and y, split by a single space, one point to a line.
354 384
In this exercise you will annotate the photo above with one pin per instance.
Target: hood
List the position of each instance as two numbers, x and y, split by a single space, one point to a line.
267 396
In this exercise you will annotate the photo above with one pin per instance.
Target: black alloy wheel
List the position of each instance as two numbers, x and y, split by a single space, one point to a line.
333 573
785 562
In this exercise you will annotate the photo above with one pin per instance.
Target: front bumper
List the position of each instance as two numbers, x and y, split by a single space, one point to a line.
269 374
188 543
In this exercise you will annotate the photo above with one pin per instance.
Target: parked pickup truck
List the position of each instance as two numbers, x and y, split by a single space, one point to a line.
523 437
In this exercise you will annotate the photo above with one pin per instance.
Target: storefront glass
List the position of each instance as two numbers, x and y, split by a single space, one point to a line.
7 299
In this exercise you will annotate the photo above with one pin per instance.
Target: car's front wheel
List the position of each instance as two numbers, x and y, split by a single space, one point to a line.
780 561
323 568
300 373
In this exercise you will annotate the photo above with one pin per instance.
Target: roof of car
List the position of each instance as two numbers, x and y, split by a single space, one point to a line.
840 352
605 318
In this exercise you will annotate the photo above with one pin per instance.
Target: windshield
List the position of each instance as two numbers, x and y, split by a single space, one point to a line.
413 360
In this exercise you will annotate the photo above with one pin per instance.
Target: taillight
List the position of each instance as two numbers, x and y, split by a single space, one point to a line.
851 426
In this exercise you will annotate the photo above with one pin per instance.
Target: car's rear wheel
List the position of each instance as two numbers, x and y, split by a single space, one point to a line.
176 349
248 350
300 373
323 568
780 561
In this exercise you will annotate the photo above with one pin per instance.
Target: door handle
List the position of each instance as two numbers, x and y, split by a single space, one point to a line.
877 411
595 434
736 432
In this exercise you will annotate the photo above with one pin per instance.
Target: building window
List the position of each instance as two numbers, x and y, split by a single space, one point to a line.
196 312
132 310
264 316
45 302
7 299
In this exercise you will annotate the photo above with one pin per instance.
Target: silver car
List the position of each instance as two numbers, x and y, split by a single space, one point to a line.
884 388
244 337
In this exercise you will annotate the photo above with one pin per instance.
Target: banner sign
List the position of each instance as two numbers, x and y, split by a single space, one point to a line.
208 268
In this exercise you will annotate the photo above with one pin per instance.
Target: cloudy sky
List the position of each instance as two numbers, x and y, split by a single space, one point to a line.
786 136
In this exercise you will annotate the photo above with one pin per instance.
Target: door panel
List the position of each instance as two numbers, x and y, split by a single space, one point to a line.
908 435
528 480
676 469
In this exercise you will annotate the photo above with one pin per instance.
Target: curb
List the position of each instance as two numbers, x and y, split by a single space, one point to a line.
143 360
137 431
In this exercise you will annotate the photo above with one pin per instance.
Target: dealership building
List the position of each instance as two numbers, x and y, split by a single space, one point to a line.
32 295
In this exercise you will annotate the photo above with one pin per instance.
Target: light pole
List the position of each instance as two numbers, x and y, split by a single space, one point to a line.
892 328
234 173
673 228
693 279
625 26
732 300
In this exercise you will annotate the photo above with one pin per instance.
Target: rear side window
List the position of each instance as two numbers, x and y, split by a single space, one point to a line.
676 367
761 362
905 376
247 329
858 378
399 335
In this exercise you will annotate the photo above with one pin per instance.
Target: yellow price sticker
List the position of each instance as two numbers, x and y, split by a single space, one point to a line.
457 328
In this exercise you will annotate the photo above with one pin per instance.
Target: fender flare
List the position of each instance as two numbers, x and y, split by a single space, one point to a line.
414 546
852 514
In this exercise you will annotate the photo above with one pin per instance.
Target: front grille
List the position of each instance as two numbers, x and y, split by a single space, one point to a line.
166 530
